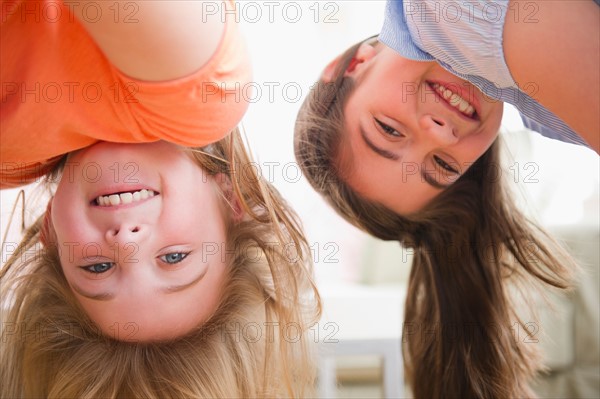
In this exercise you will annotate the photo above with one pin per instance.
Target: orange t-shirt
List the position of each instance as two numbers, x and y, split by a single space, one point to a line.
60 93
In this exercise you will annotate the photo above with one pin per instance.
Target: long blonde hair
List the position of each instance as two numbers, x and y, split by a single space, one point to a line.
255 345
471 244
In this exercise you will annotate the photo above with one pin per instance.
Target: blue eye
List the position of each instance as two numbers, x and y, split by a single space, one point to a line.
98 268
174 257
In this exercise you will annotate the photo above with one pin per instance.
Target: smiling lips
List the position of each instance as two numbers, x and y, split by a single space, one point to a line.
455 100
124 198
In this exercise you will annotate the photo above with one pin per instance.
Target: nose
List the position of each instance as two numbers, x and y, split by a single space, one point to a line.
124 233
439 130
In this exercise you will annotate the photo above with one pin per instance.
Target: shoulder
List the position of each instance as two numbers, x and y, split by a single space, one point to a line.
158 40
202 107
559 53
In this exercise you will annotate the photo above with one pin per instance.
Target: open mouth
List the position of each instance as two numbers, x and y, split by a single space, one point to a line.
455 100
123 198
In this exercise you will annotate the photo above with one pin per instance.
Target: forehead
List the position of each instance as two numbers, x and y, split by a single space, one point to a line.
149 314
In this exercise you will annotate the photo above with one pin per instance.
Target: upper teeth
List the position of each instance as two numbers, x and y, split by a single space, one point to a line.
124 198
454 99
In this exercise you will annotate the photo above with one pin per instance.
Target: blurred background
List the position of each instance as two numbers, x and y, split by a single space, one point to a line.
362 280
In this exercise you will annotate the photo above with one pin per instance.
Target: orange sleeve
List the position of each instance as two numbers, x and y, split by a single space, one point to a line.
60 93
198 109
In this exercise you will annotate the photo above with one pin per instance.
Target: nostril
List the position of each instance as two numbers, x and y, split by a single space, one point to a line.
438 122
135 229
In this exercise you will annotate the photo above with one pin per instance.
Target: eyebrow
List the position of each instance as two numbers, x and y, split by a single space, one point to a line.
178 288
433 182
107 296
103 296
395 157
377 150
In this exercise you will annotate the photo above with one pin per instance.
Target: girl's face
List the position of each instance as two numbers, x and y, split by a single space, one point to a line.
412 129
141 233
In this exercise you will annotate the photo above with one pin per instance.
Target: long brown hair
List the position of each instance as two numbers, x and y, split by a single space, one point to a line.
255 345
471 245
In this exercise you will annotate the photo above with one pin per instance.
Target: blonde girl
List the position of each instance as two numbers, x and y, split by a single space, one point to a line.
157 269
245 338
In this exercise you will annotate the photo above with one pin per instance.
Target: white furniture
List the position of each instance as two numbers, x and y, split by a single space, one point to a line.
361 320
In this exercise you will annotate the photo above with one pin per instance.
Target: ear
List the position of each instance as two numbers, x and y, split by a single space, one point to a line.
364 53
233 202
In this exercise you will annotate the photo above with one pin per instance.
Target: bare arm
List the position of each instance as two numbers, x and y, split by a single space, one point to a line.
155 40
560 54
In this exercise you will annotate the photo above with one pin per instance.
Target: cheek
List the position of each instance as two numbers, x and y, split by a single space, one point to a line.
475 146
495 119
75 237
66 211
206 211
61 217
69 223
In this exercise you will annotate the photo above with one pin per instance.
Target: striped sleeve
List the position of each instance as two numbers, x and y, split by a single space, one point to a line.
466 39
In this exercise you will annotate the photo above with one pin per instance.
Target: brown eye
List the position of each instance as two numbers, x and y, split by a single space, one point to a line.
388 129
444 164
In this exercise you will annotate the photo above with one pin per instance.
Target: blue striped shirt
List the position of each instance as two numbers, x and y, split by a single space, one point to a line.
465 37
